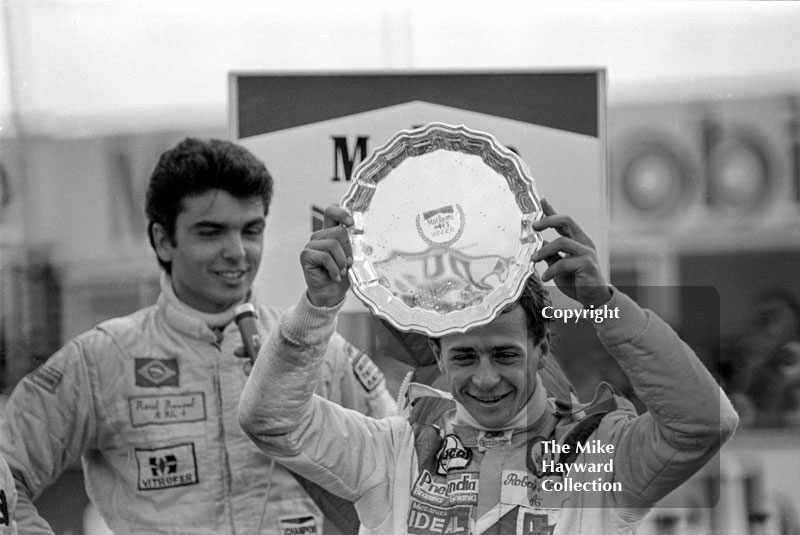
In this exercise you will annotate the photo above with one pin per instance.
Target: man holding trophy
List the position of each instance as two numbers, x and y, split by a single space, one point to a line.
507 457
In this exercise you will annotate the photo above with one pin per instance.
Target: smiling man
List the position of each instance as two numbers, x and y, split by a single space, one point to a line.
507 459
149 402
491 370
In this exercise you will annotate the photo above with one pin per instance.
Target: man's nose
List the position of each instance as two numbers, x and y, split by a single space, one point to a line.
234 247
486 376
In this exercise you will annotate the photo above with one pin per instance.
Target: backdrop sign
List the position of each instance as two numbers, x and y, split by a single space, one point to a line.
312 131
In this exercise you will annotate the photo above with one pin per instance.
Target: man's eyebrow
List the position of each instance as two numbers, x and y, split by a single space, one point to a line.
209 224
463 349
471 349
216 224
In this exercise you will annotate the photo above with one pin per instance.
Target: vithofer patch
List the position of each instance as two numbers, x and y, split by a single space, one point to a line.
47 378
298 525
163 468
156 372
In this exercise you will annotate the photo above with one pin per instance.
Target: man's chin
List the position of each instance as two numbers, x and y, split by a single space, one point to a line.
226 300
490 418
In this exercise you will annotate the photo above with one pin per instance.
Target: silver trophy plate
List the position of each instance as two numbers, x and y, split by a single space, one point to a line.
443 232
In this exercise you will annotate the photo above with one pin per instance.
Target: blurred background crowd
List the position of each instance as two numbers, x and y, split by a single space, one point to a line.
703 138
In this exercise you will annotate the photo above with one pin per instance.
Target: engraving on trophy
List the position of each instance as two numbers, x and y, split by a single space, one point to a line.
442 226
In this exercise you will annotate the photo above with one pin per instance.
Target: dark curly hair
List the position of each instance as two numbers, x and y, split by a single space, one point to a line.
532 300
195 166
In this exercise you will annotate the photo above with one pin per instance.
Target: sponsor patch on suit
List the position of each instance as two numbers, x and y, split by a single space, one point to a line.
46 378
425 519
531 523
366 371
171 409
458 489
298 525
163 468
452 455
156 372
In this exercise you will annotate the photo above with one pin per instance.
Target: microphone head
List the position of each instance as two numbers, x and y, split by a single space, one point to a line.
246 322
245 309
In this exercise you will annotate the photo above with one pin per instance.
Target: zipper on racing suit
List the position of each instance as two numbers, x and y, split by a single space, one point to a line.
223 454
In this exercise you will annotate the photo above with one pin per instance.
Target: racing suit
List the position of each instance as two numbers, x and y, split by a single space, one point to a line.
458 478
8 500
149 403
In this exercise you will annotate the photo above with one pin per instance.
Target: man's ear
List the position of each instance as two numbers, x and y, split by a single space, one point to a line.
544 348
436 349
162 242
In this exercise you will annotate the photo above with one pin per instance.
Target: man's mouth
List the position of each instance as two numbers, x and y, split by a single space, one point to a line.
488 400
231 275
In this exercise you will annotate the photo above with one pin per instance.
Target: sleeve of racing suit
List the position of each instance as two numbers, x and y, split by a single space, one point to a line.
342 450
688 418
49 423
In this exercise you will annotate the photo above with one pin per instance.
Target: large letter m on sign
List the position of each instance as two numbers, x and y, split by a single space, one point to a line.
348 160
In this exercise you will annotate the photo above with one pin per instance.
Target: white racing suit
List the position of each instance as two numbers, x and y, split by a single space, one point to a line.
149 403
8 500
456 478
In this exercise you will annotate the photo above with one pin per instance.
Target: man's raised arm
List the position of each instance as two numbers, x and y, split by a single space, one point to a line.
689 417
289 363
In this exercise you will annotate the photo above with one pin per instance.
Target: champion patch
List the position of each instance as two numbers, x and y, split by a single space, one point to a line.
367 372
178 408
47 378
156 372
452 455
298 525
163 468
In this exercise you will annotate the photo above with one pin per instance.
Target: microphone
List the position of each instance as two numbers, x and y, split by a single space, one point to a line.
246 321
